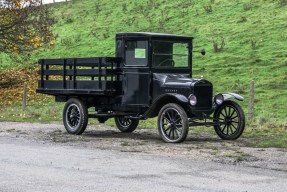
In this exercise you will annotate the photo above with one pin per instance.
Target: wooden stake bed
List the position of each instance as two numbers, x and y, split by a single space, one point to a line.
79 76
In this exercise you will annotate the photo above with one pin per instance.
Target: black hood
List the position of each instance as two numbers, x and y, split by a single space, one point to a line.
182 80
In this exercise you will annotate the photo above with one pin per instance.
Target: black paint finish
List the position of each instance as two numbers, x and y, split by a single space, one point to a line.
128 84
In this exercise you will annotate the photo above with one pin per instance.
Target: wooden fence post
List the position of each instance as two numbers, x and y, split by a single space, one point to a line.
251 101
24 101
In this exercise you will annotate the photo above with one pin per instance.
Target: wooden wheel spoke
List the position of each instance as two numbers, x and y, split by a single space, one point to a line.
222 114
229 111
225 111
234 127
168 128
179 130
173 115
172 133
177 119
169 116
222 130
227 130
169 132
166 119
231 130
177 135
233 112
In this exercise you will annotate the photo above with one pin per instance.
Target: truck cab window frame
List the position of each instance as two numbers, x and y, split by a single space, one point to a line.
136 53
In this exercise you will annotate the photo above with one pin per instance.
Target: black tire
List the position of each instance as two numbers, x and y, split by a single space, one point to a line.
75 116
232 120
172 123
126 125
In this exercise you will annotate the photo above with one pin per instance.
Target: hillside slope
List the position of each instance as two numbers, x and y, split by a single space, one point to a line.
254 34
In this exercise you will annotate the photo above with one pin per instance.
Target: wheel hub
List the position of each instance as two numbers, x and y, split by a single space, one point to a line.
228 120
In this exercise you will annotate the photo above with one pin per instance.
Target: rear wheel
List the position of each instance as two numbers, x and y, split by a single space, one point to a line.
172 123
232 120
126 125
75 116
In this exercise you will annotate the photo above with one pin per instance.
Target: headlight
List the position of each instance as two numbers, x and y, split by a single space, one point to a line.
192 100
218 99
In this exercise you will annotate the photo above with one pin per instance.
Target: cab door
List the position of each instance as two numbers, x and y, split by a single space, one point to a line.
136 74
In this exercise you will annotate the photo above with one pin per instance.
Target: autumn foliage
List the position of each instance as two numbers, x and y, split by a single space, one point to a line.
11 85
25 25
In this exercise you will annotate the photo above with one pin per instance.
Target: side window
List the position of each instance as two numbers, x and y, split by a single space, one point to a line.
136 53
170 54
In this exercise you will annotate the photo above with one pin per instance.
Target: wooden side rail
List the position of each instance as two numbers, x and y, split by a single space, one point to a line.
87 73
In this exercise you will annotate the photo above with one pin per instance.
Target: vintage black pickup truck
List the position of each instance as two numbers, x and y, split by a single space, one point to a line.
151 75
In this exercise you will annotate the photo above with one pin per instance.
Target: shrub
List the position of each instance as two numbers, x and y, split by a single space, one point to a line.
247 6
124 7
254 44
66 41
242 19
282 2
69 20
216 47
208 8
98 7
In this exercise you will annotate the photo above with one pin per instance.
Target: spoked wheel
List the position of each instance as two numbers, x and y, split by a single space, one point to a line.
126 125
172 123
75 116
232 120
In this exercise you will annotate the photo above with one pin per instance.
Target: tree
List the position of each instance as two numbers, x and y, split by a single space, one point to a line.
25 25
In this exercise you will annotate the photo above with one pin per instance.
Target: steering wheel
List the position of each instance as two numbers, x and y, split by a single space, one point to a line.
166 60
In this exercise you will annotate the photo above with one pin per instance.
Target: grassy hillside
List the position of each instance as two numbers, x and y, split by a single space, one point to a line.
254 33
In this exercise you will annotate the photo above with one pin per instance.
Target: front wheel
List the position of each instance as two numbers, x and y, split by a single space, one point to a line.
172 123
231 119
75 116
126 125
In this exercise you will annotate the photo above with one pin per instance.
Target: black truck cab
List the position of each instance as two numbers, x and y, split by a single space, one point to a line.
159 66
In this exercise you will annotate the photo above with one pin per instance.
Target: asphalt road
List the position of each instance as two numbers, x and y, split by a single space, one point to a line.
34 166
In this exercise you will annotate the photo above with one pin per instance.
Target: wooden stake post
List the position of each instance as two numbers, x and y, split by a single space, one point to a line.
24 101
251 101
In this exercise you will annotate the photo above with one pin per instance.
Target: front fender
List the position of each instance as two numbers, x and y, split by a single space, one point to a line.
228 96
179 97
162 100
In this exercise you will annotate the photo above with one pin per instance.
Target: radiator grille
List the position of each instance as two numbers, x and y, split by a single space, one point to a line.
203 93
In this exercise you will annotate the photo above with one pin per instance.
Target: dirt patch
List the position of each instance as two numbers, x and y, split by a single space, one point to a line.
199 147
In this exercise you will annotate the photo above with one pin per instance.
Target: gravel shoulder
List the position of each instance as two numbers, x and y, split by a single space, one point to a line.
203 148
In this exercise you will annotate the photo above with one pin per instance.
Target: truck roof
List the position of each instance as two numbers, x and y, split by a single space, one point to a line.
153 35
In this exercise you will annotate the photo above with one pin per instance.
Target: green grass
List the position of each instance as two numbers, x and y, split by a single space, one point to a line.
254 33
34 112
266 134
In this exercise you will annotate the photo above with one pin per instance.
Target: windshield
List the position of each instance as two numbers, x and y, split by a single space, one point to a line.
170 54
